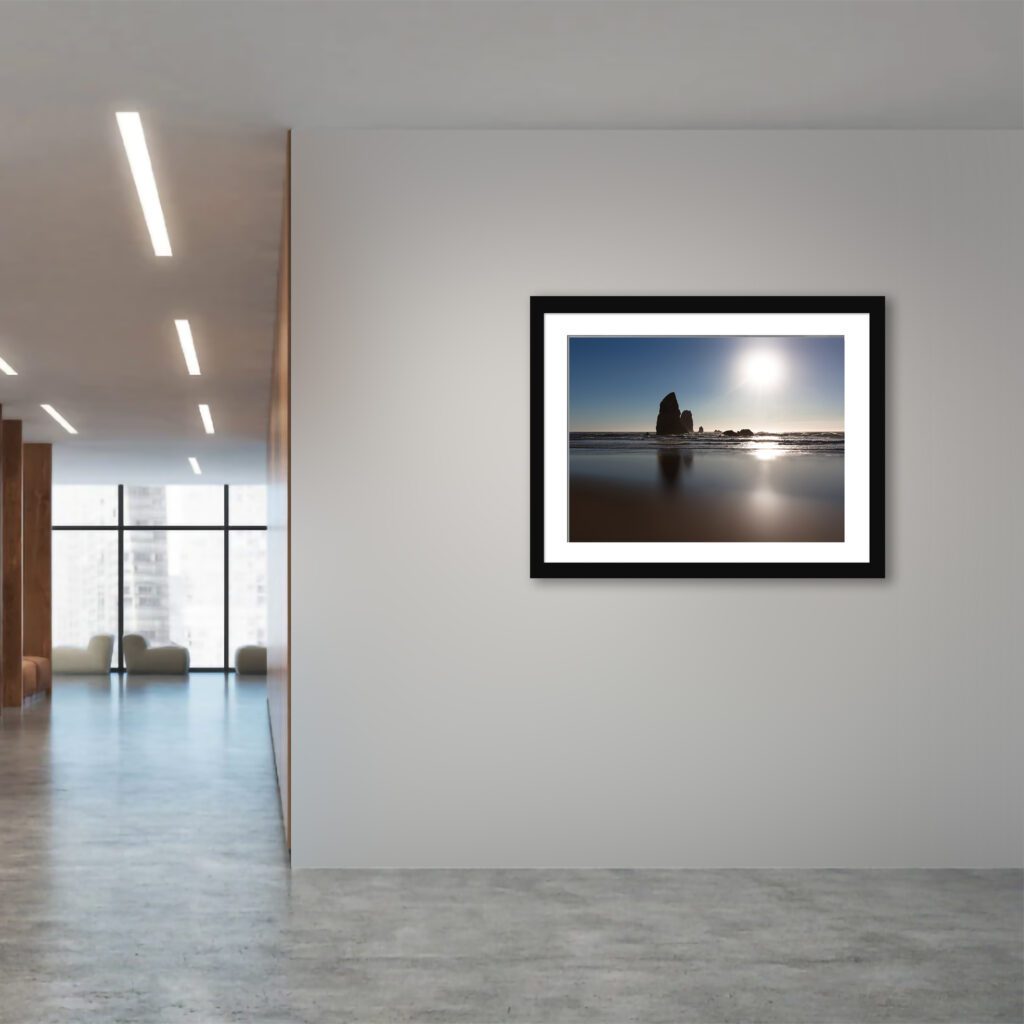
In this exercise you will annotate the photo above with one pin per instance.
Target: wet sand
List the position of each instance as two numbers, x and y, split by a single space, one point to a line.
705 496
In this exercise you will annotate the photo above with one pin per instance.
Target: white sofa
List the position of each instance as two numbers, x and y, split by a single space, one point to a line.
94 658
166 659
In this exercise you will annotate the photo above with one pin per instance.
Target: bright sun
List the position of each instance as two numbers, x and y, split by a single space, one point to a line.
763 370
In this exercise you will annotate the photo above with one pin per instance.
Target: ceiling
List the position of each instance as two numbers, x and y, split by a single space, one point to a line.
86 310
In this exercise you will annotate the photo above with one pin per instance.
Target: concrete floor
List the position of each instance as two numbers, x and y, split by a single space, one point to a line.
142 878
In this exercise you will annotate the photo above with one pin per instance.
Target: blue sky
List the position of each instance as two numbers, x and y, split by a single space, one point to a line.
728 382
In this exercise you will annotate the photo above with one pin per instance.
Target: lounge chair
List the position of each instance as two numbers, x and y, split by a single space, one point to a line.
85 660
167 659
251 661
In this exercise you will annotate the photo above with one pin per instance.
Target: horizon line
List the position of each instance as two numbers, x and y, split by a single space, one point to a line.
712 430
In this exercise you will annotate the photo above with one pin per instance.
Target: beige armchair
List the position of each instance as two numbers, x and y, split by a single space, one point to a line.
251 660
85 660
167 659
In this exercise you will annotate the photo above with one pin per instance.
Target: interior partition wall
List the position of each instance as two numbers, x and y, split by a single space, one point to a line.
183 564
644 723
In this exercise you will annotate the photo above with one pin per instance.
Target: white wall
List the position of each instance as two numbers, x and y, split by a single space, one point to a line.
449 711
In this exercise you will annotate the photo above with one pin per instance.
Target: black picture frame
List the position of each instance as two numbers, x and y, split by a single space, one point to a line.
873 306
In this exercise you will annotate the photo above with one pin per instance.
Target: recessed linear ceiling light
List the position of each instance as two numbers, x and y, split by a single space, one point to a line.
204 411
7 368
188 347
145 184
60 419
194 463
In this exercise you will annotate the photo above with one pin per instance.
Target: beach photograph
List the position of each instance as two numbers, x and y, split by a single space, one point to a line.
728 438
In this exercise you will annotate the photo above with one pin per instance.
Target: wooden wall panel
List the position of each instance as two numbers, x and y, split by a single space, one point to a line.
10 543
279 524
37 608
1 564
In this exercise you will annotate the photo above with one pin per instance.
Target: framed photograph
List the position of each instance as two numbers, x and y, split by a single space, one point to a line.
707 437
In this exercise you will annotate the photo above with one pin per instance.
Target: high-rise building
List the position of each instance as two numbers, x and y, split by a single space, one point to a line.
147 582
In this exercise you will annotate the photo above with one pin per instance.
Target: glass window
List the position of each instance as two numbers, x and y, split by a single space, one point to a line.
174 589
247 505
247 588
176 505
84 585
85 505
173 579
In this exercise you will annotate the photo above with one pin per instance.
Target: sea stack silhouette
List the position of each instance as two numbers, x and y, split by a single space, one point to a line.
668 415
670 419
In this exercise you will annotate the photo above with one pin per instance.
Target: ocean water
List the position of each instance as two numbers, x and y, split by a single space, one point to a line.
706 487
793 443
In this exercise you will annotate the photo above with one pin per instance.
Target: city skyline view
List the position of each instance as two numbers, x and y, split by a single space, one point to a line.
174 587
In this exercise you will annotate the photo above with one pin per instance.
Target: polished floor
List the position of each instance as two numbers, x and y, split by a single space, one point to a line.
143 879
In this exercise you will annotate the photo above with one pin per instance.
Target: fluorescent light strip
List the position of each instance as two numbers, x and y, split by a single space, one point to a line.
60 419
7 368
145 184
194 463
204 411
188 347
